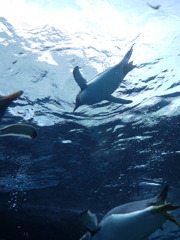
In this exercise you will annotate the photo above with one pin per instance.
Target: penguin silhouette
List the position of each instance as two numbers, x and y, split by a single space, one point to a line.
104 84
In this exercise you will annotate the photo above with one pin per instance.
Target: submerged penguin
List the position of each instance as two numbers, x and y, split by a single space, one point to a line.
104 84
131 221
155 7
24 130
19 129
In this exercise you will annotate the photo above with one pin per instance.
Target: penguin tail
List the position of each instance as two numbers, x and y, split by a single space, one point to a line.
128 66
89 220
127 55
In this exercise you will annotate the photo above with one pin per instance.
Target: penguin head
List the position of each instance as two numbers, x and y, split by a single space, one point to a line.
78 102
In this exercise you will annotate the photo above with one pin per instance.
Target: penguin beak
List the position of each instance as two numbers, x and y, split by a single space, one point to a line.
74 109
76 106
77 103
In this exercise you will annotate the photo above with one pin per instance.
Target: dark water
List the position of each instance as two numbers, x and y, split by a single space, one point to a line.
102 155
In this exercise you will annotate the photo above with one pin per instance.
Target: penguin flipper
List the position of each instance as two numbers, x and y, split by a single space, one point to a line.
23 130
5 101
118 100
82 83
89 220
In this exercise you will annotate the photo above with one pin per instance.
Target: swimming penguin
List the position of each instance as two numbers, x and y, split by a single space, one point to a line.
104 84
131 221
155 7
23 130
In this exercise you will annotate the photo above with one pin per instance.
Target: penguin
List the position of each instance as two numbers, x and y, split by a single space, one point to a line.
5 101
104 84
155 7
131 221
23 130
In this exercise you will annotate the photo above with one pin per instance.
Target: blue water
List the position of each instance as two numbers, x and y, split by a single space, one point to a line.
101 155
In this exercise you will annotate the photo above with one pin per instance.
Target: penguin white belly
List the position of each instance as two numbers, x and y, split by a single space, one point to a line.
92 94
102 86
131 226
